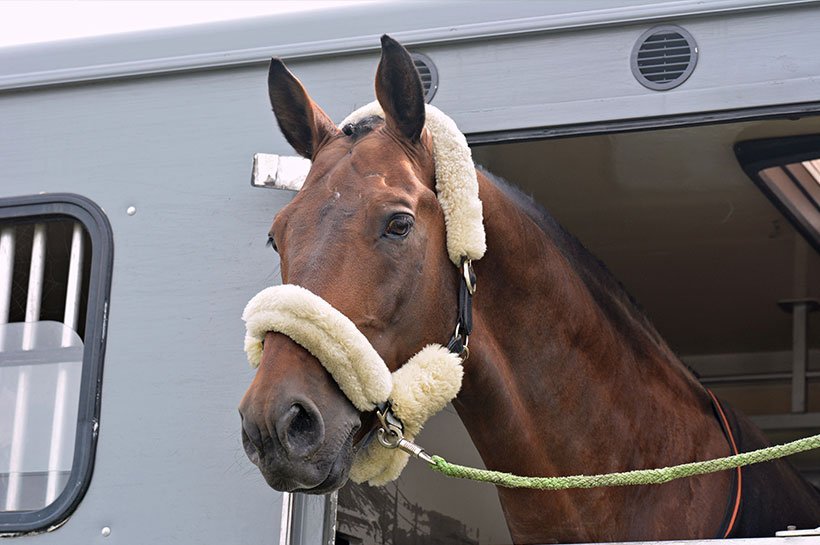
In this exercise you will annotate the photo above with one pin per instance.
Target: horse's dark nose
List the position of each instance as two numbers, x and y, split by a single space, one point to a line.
297 425
300 429
251 439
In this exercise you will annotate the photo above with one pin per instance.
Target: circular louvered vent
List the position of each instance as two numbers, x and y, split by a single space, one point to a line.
429 74
664 57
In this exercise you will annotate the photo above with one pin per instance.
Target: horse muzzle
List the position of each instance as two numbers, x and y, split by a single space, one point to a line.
339 363
294 448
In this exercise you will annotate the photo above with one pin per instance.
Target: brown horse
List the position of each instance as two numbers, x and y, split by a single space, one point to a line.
565 375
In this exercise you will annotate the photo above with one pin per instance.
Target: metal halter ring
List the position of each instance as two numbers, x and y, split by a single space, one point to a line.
465 340
389 438
467 273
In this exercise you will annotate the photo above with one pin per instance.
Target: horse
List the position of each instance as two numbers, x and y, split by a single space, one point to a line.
565 374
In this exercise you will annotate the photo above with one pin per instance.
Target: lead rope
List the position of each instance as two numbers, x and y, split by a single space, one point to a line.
390 434
393 439
627 478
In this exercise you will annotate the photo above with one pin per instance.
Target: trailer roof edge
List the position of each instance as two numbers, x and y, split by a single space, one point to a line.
297 36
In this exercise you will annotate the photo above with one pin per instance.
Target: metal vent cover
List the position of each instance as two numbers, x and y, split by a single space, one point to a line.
428 73
664 57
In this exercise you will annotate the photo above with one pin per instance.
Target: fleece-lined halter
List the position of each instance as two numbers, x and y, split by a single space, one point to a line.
431 378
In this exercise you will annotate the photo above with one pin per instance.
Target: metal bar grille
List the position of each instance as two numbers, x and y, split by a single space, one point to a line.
34 294
34 299
6 273
56 457
40 362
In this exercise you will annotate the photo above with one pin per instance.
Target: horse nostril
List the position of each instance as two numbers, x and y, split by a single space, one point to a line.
301 429
251 440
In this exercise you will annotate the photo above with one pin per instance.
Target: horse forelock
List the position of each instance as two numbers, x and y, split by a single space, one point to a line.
362 127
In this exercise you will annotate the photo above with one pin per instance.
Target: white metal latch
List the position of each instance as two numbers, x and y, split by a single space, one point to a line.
279 171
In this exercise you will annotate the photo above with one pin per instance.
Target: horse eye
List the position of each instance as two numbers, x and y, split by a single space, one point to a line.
272 243
399 226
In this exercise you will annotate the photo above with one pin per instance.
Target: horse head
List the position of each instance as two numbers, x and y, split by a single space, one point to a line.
367 234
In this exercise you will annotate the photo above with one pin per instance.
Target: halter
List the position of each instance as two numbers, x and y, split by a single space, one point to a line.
406 399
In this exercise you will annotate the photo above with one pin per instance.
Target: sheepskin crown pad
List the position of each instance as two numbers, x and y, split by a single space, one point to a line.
456 182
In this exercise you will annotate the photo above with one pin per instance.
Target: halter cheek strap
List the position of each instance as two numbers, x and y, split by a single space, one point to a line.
464 326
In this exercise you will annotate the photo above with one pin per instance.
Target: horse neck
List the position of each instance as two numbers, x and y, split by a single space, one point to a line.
561 367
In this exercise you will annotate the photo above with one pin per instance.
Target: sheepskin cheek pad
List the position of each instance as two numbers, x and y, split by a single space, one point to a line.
419 389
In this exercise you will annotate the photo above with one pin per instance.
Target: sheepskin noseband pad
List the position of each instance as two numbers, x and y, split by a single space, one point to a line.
324 332
456 183
418 390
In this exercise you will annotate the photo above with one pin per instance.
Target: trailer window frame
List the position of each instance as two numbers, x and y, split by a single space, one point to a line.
755 156
98 228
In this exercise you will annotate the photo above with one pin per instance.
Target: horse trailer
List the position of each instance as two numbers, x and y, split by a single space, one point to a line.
678 140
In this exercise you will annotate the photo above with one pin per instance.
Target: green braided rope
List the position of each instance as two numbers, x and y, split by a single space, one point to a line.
640 476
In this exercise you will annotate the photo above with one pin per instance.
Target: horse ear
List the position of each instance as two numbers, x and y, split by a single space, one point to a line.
301 120
399 91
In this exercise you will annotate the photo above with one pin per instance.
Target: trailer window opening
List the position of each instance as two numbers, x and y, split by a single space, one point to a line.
798 190
787 171
54 280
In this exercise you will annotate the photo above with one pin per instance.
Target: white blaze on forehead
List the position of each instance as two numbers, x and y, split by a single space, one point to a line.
456 183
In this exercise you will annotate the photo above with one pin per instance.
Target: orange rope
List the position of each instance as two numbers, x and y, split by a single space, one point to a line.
731 436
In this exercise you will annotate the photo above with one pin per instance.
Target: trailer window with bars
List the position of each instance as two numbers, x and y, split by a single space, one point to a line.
55 263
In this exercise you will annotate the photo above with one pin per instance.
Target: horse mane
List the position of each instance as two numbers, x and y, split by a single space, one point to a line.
617 304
